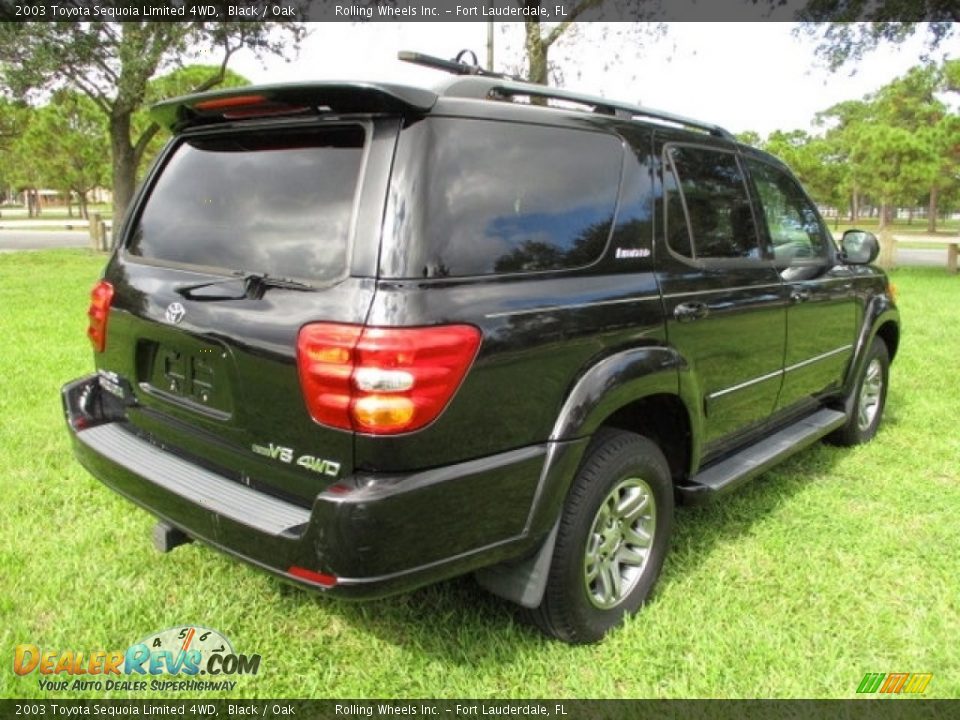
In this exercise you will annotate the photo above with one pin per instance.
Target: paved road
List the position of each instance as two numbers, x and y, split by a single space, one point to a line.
44 239
916 256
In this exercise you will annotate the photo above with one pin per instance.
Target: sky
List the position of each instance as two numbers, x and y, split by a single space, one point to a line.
744 76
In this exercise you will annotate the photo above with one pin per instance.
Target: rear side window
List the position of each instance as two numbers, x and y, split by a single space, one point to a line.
708 208
278 202
500 197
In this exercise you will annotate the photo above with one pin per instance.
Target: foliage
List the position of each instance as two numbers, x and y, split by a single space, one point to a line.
64 146
540 38
12 122
113 63
893 146
181 81
845 39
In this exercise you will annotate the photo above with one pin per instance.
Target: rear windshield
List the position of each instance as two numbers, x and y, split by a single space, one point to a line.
279 203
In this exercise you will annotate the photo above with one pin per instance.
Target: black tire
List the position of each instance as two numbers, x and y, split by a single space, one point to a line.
574 608
866 415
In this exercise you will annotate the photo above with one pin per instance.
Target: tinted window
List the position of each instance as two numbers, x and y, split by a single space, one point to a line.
278 203
708 209
500 197
793 223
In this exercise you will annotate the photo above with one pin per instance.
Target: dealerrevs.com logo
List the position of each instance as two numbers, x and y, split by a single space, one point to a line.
199 658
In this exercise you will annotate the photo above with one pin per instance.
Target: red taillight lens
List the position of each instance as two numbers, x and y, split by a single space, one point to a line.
100 298
382 380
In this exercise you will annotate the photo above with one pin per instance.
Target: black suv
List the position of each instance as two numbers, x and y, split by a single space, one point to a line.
368 337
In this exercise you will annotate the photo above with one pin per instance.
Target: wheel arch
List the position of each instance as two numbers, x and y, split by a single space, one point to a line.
889 332
649 391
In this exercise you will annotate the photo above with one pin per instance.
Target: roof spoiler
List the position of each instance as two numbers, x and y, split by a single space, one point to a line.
319 98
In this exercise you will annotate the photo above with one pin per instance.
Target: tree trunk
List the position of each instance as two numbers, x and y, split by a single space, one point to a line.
882 223
536 49
124 164
33 202
84 212
932 210
69 205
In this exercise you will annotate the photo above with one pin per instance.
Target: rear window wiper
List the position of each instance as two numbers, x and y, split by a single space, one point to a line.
245 285
258 283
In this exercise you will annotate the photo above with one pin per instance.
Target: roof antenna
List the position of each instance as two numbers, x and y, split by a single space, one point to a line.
456 66
471 53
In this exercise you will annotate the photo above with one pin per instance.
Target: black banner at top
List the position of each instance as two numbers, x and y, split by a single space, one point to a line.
404 10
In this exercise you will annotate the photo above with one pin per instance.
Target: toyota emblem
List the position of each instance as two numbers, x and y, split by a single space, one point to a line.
175 312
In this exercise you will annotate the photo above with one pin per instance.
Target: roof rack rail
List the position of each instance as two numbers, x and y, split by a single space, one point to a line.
486 88
455 66
484 85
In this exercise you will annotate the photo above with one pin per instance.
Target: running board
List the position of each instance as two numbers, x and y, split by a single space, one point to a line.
755 459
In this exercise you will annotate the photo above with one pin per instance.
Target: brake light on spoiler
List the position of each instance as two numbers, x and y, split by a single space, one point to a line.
382 381
246 106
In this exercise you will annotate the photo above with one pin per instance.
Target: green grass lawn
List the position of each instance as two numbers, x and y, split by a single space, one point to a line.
838 563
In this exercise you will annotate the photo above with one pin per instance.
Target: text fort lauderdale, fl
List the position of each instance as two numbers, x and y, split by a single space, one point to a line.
460 10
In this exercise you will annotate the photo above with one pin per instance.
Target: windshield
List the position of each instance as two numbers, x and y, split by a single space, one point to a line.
278 202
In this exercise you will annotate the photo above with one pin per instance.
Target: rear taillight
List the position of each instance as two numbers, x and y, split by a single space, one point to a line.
382 380
100 298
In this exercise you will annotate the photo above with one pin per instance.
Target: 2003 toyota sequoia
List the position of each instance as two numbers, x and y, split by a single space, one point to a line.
368 337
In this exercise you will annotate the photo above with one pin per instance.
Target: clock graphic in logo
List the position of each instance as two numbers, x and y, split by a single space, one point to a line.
187 638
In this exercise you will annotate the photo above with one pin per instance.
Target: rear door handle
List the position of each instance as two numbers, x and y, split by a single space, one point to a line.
688 312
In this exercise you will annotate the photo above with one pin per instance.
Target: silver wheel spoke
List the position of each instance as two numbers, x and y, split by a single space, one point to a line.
611 583
631 508
616 551
636 536
592 572
629 556
871 389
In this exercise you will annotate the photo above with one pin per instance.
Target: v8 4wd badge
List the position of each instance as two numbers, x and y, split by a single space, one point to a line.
284 454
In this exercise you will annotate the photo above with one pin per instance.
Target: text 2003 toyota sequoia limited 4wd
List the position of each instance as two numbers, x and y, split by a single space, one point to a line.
368 337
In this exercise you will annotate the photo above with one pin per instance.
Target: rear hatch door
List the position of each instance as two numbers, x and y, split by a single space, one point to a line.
245 233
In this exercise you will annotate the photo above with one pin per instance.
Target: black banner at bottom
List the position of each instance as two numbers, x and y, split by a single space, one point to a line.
874 709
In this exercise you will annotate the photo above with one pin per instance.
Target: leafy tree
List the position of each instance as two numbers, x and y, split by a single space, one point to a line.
540 38
816 162
911 102
181 81
12 120
892 162
112 63
848 30
843 121
65 140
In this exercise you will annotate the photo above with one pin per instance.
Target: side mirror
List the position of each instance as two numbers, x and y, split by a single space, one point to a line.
859 247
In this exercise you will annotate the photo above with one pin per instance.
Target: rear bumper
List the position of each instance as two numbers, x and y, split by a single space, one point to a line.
375 535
